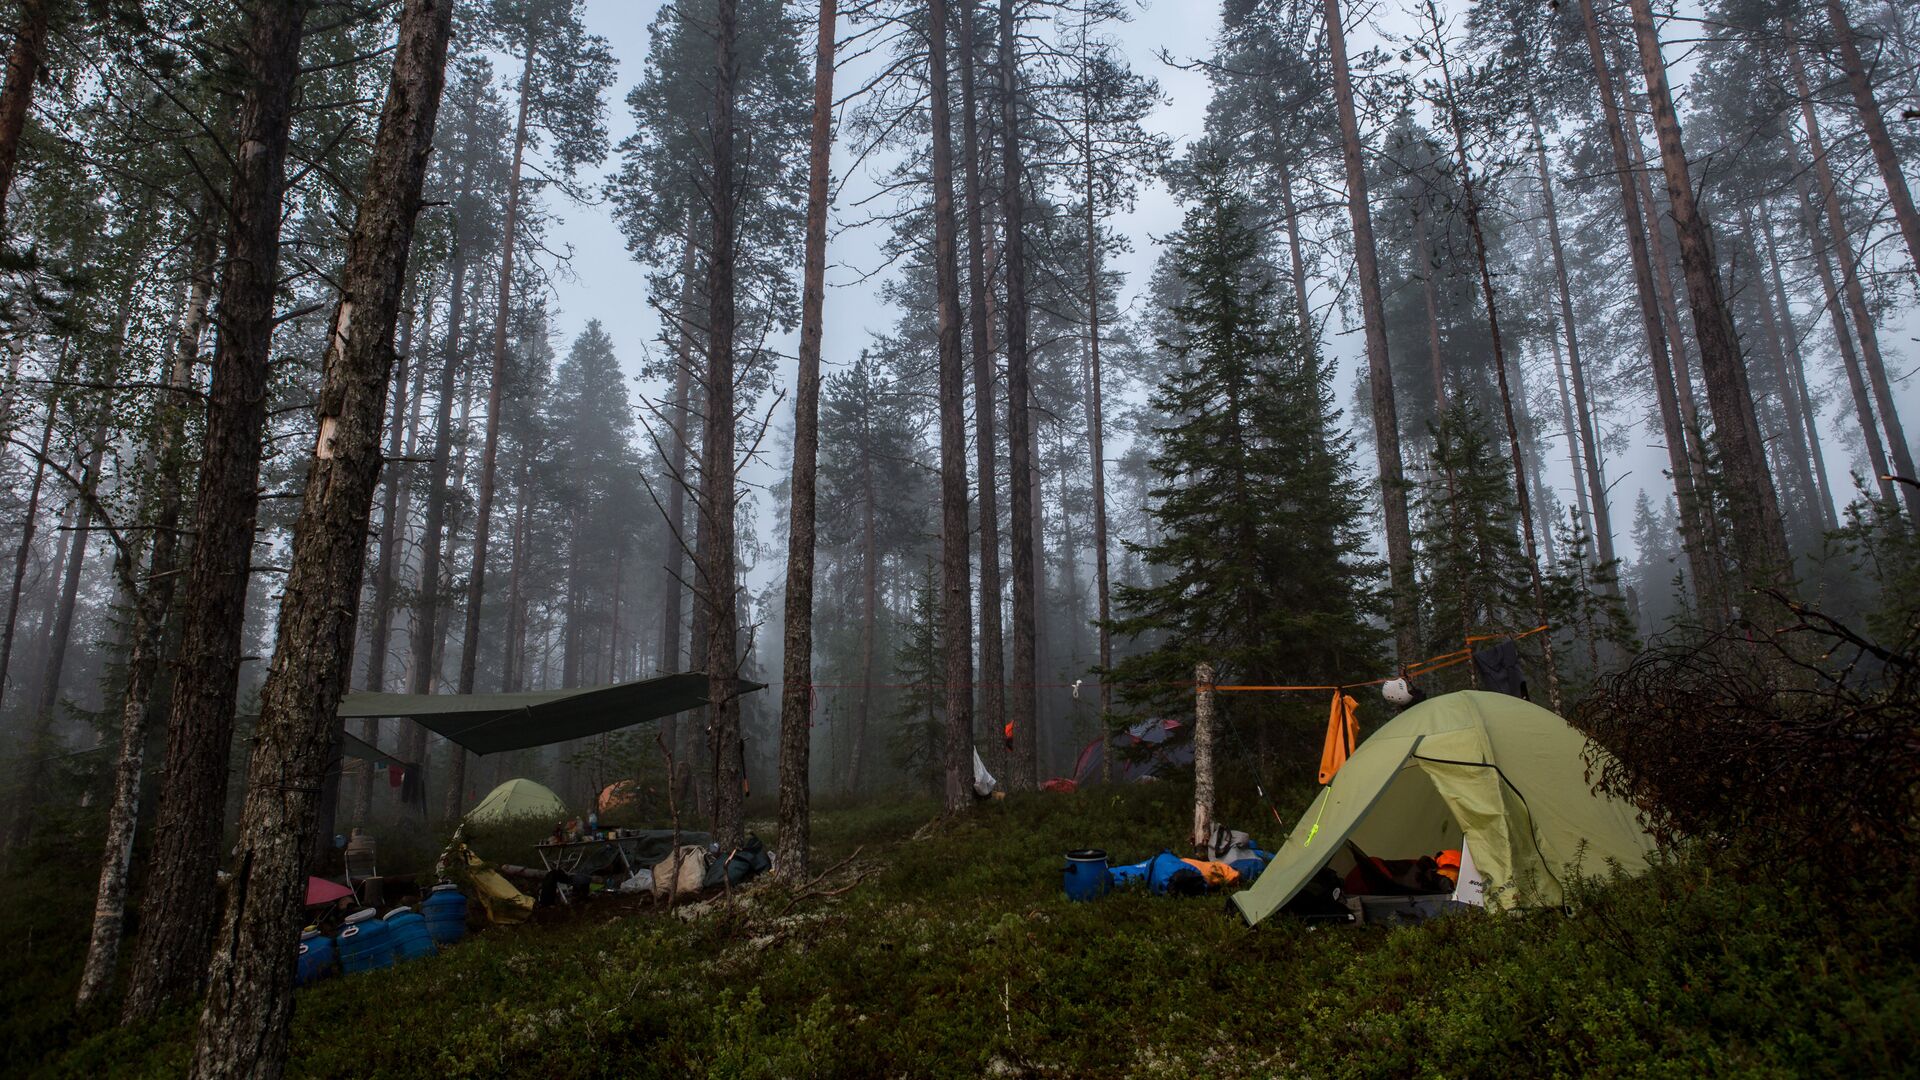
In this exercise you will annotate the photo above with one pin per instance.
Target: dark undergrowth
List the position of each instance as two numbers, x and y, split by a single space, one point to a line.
953 953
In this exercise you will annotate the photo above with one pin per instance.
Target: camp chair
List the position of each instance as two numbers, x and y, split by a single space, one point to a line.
361 863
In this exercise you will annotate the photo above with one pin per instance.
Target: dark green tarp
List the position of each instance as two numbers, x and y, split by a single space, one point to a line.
493 723
355 747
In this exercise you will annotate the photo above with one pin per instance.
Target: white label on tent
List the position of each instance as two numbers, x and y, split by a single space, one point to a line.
1470 889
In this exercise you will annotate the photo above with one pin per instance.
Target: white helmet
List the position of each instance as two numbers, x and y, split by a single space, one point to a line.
1397 692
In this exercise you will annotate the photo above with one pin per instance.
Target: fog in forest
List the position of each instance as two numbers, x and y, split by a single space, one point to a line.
1022 364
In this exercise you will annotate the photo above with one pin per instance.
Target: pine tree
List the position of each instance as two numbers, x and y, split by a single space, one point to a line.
1258 562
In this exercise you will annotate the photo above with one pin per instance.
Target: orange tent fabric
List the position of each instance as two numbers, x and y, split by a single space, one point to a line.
1343 734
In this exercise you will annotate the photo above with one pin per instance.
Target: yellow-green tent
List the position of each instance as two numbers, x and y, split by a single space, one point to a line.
1505 776
517 800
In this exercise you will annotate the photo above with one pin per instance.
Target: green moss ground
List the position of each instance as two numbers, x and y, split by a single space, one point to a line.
955 954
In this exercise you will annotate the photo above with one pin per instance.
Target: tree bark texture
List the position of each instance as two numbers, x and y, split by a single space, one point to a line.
796 700
1386 416
1204 723
249 1009
956 580
991 702
1023 703
177 935
717 445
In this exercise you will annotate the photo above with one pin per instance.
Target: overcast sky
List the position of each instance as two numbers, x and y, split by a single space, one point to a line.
606 285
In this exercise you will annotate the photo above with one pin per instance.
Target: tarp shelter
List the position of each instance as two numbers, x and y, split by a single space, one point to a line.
1134 760
517 800
1504 775
493 723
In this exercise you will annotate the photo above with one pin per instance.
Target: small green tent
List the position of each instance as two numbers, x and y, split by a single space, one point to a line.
1504 775
517 800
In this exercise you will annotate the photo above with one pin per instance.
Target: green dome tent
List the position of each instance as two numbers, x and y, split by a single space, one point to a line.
1504 775
517 800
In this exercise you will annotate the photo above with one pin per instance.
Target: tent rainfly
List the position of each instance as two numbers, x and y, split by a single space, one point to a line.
517 800
1501 774
493 723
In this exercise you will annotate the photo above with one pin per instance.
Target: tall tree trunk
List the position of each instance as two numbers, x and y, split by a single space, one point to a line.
1575 463
147 636
386 565
796 701
1023 704
718 444
490 450
1386 417
1430 294
1856 296
1203 738
992 699
30 518
1876 129
1523 498
513 645
249 1012
1097 451
672 659
1595 488
1760 544
956 583
61 634
869 599
423 666
1843 337
1663 268
1828 515
1797 452
1701 559
177 934
1299 262
25 62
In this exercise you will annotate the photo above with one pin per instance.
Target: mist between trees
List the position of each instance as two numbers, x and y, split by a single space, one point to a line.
286 414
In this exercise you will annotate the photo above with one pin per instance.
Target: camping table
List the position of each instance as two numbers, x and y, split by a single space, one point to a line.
639 848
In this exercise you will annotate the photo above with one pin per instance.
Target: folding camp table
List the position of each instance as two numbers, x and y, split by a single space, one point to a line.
632 850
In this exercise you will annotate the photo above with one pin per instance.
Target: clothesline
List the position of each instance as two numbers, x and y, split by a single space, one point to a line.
1418 668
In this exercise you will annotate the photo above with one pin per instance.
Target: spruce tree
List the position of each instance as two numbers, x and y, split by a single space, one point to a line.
1258 560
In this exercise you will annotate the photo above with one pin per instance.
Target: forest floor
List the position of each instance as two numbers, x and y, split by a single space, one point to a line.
953 953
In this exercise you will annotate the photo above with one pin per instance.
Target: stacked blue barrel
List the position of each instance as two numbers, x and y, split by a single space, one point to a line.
407 932
316 957
446 913
365 943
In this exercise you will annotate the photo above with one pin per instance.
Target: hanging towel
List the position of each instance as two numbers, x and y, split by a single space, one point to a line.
1343 734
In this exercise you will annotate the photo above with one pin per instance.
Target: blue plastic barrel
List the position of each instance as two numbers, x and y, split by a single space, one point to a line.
446 913
365 943
316 958
1085 875
407 932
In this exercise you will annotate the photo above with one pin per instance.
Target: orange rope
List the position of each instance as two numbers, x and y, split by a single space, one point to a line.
1423 667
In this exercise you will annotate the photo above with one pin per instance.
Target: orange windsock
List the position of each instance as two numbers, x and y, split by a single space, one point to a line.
1343 732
